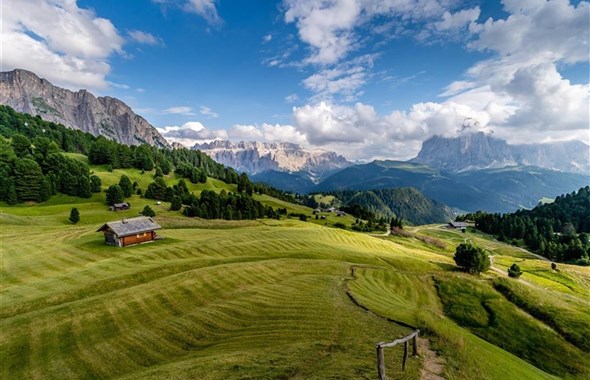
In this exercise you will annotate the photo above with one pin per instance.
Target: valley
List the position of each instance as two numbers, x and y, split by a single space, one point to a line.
268 298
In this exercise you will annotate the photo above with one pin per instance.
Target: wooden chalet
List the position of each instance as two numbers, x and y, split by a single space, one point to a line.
120 206
130 231
458 225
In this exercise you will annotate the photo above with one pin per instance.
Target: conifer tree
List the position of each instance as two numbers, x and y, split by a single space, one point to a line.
126 186
74 215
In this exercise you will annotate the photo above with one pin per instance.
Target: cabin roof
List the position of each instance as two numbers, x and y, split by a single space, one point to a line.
459 224
130 226
118 205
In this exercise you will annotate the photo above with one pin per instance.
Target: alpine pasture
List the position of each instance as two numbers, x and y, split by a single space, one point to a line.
270 299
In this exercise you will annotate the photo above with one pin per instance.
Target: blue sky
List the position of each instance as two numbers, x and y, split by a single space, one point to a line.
366 78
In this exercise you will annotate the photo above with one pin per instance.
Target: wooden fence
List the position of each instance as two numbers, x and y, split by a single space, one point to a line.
404 340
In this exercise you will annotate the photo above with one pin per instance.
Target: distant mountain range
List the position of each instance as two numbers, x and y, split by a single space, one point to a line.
302 167
494 190
469 173
26 92
476 151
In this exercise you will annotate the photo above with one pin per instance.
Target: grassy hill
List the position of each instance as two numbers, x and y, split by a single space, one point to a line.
270 299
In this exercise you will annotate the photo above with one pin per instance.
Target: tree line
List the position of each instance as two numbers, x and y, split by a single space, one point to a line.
32 166
558 230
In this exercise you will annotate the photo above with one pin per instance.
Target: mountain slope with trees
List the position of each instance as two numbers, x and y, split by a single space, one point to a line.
558 230
406 203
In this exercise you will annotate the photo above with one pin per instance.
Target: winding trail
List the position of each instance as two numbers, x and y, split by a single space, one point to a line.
432 364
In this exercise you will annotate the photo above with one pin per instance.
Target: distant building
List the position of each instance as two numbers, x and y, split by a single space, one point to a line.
458 225
120 206
130 231
331 209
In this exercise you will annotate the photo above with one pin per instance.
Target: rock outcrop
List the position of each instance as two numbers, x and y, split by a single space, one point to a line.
26 92
476 151
258 157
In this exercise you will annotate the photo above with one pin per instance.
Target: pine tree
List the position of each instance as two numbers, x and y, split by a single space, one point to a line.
114 194
84 187
472 259
28 179
147 211
176 203
126 186
74 215
95 183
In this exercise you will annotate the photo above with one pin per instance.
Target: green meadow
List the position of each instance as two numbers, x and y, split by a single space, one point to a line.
270 299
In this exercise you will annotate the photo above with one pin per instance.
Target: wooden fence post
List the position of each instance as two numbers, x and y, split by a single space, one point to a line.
380 363
382 345
405 355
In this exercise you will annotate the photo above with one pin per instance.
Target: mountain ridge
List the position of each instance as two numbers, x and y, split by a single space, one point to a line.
255 157
25 92
474 151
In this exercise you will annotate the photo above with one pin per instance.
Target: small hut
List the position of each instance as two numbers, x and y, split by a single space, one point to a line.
120 206
130 231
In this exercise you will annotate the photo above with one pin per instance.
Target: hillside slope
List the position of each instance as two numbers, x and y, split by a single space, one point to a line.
406 203
106 116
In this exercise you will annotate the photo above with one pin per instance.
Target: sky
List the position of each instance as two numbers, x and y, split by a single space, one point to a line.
365 78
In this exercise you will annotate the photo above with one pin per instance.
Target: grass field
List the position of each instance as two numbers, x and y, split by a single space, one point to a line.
269 299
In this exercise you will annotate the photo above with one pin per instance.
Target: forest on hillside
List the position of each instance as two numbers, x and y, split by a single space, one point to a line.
33 168
559 231
408 204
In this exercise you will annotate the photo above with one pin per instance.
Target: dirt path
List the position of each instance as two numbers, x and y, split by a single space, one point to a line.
432 365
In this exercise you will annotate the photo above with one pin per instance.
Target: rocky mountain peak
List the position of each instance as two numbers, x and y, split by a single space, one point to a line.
255 157
26 92
472 151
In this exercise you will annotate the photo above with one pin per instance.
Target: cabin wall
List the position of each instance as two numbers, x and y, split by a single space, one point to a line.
138 238
111 238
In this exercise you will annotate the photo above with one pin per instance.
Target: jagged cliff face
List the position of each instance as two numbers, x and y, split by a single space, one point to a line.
481 151
257 157
26 92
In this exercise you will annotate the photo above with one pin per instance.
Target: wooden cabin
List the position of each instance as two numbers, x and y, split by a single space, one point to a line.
130 231
120 206
458 225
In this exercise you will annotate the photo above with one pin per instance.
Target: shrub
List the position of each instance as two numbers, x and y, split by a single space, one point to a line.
74 215
472 259
147 211
303 217
340 225
514 271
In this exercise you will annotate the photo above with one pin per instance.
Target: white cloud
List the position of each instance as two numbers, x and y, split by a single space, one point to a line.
180 110
190 133
267 133
336 29
205 9
556 29
292 98
521 88
453 21
208 112
358 132
267 38
121 86
144 38
325 25
67 45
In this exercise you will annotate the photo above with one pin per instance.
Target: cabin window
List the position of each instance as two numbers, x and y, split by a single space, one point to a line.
142 234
